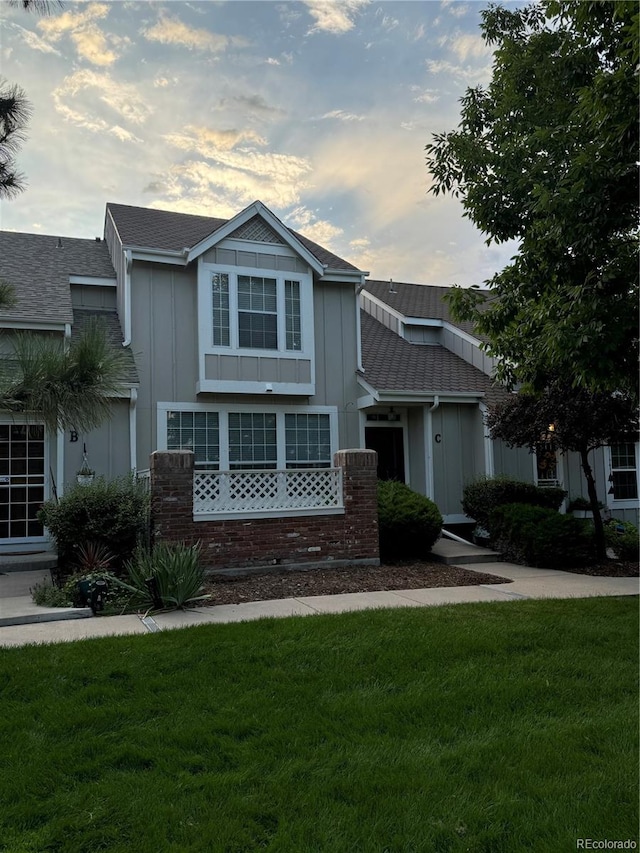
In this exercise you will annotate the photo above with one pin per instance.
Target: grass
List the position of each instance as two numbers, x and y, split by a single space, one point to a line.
482 727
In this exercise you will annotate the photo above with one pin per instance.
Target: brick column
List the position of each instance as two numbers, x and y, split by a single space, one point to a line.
360 494
172 496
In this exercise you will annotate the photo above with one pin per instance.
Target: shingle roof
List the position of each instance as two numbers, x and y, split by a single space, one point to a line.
114 336
424 301
149 228
391 363
38 267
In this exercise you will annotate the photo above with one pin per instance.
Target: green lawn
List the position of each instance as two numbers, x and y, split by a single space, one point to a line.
481 727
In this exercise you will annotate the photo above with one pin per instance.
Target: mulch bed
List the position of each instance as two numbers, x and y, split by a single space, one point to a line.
333 581
268 585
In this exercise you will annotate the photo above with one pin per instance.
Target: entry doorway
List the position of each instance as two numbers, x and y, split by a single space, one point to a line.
388 442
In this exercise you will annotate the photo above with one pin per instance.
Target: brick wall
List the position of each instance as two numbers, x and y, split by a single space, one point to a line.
308 540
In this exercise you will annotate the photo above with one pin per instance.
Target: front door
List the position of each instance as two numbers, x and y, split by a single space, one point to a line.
388 442
22 480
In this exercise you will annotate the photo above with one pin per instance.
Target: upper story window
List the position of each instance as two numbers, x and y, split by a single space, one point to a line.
256 312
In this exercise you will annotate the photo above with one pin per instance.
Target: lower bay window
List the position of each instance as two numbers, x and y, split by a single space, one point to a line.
244 438
623 476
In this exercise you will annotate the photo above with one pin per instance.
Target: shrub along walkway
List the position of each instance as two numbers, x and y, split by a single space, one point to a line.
521 582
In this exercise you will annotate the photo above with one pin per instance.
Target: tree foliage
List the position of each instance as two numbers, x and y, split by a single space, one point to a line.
582 420
66 387
15 112
546 155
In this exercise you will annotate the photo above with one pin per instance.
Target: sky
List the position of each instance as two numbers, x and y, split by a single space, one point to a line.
319 109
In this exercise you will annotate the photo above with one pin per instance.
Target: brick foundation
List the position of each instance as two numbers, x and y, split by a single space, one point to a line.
308 540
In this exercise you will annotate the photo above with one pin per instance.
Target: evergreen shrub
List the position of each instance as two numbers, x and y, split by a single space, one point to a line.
622 538
536 536
113 514
409 523
482 496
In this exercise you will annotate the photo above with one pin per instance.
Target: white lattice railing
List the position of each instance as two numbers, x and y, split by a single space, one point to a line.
243 492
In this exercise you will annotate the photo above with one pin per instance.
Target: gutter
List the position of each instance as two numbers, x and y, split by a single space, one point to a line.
133 429
128 263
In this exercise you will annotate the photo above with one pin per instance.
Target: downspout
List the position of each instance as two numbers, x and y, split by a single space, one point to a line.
359 289
133 430
60 432
489 466
127 297
429 448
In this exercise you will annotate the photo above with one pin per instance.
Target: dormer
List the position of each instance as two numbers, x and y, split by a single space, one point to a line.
255 307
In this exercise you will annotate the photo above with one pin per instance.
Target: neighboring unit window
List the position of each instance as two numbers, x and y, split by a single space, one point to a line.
292 313
257 312
220 293
308 441
624 476
252 441
196 431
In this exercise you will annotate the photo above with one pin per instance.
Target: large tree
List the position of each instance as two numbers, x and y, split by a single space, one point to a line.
546 155
580 421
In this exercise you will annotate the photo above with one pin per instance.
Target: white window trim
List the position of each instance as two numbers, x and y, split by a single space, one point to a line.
11 543
223 412
627 503
205 312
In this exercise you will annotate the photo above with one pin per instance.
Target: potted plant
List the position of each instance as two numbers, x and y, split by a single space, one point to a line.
580 507
85 474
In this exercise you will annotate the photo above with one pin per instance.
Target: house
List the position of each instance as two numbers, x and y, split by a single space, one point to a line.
260 351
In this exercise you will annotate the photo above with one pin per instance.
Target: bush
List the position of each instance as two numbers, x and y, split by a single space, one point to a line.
409 522
113 515
174 570
622 538
69 593
482 496
535 536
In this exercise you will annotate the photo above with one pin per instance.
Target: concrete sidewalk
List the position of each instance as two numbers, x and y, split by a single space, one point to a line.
522 583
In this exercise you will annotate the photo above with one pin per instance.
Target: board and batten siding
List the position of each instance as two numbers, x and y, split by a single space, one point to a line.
335 311
468 351
164 343
458 455
93 297
107 447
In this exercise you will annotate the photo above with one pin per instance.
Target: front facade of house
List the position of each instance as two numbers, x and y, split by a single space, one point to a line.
264 354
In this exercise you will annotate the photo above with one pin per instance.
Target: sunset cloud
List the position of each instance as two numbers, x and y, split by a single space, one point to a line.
81 27
171 30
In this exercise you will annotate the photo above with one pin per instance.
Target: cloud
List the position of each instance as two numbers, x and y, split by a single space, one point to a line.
319 230
171 30
334 16
425 96
234 180
208 142
34 41
76 98
458 10
270 60
341 115
89 41
467 46
251 104
467 73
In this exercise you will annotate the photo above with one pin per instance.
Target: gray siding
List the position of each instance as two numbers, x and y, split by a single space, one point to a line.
468 351
423 334
164 343
242 368
117 259
512 462
90 296
259 260
380 314
416 436
458 456
107 447
335 309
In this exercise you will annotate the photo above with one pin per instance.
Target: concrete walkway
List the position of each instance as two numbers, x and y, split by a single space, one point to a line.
522 582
